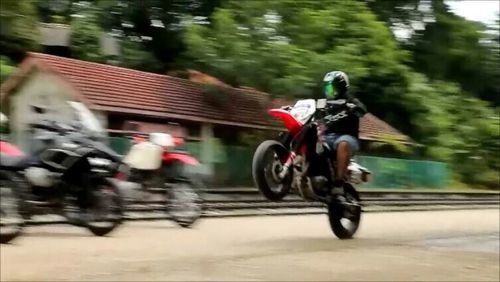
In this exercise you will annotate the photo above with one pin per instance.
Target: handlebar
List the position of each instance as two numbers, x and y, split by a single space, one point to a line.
54 126
45 125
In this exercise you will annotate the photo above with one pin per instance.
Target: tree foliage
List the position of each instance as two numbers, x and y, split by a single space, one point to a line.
284 47
428 72
86 34
446 46
18 28
464 54
157 23
6 68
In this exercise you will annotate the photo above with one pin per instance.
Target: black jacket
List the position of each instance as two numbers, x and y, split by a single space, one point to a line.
341 116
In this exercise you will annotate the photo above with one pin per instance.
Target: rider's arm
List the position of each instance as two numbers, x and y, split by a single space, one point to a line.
357 107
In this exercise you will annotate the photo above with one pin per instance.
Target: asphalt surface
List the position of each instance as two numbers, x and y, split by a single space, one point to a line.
396 246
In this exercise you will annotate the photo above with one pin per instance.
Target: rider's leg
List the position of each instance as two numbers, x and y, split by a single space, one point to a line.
345 147
343 157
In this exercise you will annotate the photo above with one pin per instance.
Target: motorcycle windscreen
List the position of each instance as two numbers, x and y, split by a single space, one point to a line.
86 117
291 123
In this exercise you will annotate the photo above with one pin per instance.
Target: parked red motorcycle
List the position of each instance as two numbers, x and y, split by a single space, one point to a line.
156 169
303 162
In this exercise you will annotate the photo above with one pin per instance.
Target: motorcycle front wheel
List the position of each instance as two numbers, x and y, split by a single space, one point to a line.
267 164
104 211
184 204
344 218
11 219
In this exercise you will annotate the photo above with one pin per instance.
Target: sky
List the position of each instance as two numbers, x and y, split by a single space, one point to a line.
485 11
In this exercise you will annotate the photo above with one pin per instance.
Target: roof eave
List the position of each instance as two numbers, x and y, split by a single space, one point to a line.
120 110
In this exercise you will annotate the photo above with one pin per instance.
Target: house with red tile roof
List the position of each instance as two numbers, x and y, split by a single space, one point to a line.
127 100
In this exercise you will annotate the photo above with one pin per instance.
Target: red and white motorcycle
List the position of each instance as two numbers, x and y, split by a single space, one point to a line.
302 161
156 169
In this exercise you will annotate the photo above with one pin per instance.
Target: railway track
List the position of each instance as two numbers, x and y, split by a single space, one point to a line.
246 203
297 203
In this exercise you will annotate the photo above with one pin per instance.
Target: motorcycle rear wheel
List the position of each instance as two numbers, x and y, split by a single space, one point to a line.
267 162
344 218
11 220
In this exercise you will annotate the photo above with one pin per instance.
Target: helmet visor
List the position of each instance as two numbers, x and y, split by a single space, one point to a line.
328 90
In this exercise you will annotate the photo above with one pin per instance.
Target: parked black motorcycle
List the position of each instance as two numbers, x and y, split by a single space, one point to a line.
63 175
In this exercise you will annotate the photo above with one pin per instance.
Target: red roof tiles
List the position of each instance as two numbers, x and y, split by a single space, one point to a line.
116 89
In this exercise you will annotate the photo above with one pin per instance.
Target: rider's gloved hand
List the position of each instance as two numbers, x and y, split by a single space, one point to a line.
356 107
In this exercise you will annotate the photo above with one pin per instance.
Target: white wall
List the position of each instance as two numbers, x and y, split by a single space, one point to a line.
41 89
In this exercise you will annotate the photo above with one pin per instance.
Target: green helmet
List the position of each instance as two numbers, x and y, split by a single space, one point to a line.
335 84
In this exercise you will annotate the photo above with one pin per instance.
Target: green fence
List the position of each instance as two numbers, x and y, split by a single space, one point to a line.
120 145
401 173
235 169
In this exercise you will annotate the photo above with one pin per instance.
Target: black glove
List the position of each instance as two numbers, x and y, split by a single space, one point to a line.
355 106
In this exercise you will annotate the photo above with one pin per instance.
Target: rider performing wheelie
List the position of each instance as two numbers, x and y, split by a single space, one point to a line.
341 121
302 159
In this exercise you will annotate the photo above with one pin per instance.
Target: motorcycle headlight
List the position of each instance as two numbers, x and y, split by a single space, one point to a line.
99 162
69 145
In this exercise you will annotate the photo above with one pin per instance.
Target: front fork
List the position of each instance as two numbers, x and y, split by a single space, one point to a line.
290 160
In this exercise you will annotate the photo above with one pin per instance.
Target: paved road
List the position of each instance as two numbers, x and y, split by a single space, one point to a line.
399 246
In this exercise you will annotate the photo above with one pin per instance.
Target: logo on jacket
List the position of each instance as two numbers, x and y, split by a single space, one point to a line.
336 117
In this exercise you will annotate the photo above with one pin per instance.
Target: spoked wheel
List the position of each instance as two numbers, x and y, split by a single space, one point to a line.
11 219
266 168
104 211
184 205
345 217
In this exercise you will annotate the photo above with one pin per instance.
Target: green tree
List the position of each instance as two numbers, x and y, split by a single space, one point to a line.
6 68
18 28
54 11
458 45
284 47
134 56
466 51
158 23
86 34
88 29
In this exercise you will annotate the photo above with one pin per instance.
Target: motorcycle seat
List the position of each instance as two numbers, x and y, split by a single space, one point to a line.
13 162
